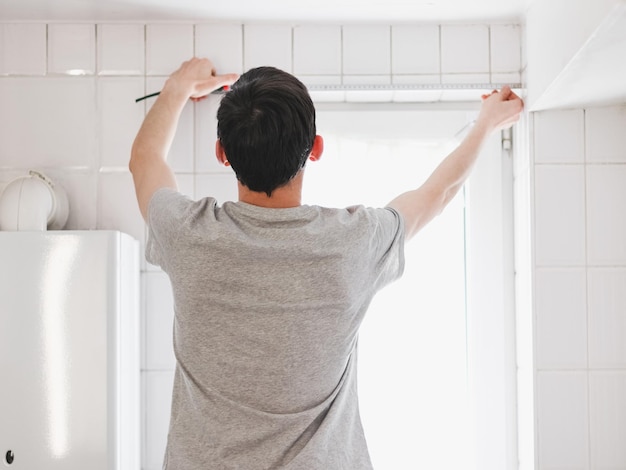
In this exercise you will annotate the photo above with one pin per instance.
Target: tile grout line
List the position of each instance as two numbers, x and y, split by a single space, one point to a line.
585 211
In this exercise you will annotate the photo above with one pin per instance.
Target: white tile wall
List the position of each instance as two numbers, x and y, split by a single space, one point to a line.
81 187
121 49
23 49
317 50
367 50
606 206
606 139
607 319
120 119
180 157
157 406
560 136
608 420
222 187
578 212
159 318
72 49
561 318
503 40
206 136
223 44
506 78
186 184
559 215
48 122
117 205
464 49
415 50
563 421
267 45
466 78
167 47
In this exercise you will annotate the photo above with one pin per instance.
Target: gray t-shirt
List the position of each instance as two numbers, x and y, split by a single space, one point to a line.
268 304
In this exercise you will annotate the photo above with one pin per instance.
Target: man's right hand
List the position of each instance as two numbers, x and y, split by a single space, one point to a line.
500 109
196 78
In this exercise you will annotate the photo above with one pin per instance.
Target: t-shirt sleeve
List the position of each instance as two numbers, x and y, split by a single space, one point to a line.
166 212
388 246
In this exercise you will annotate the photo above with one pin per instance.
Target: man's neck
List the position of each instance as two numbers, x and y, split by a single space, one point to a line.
284 197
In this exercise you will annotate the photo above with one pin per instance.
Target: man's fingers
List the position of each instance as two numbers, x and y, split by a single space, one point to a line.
227 79
214 83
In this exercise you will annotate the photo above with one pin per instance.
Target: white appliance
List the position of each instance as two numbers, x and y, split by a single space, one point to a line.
69 351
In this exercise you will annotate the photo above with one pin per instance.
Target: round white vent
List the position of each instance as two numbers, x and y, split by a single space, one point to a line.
33 203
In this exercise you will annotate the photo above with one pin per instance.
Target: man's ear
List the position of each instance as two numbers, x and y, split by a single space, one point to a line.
318 148
220 154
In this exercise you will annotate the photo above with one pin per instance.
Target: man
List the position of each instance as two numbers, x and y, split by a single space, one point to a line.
269 294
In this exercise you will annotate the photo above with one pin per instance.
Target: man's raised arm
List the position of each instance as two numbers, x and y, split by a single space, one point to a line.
419 206
195 79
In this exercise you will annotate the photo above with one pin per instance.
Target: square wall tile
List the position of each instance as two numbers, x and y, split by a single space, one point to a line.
167 47
465 49
562 421
222 187
222 44
72 49
121 49
267 45
159 317
607 392
120 119
559 136
367 50
23 49
81 187
117 205
606 139
317 50
561 318
158 406
559 215
180 156
48 122
607 318
206 136
606 206
415 49
506 48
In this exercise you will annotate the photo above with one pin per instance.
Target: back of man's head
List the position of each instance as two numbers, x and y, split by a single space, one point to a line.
266 125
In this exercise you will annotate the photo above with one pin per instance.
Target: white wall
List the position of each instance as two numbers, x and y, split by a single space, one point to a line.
556 31
569 205
79 129
573 188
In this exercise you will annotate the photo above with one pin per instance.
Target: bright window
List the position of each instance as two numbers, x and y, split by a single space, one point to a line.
417 404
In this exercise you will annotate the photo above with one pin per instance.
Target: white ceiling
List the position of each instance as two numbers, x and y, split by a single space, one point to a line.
293 11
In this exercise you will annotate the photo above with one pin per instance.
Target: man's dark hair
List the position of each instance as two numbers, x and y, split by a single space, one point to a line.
266 125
